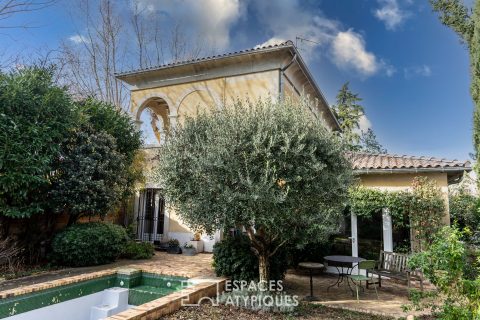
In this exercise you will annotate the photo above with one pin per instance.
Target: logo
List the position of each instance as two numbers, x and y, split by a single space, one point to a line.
248 294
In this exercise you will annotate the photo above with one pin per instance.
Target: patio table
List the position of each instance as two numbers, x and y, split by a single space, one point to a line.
311 266
340 262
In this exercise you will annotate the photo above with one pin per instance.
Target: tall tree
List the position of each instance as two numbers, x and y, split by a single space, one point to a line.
466 23
369 142
12 8
270 168
112 38
35 118
349 113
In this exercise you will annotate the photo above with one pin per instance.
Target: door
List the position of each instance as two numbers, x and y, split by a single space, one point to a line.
151 215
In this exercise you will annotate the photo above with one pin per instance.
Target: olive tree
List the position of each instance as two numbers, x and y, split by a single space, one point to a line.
269 168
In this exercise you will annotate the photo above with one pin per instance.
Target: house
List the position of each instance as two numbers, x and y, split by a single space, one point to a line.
161 97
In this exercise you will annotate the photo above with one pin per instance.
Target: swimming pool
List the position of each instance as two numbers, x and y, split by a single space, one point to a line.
75 301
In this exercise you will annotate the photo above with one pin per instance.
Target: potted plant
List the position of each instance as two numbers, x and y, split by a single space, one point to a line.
188 249
197 242
174 247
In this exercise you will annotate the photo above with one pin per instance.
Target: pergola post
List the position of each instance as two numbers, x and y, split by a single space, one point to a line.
354 234
387 230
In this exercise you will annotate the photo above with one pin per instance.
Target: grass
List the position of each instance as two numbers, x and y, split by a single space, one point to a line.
305 311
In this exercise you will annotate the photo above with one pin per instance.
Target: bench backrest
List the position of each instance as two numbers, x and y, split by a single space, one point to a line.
391 261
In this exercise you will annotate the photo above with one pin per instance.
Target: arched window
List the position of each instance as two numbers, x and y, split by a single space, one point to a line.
154 121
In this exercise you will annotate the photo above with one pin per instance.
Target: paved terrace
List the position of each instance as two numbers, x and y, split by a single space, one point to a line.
391 296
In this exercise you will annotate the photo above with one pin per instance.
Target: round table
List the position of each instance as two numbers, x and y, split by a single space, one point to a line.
339 261
311 266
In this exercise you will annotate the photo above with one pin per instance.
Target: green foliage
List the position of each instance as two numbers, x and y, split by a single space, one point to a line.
233 257
426 210
89 179
369 142
107 118
138 250
464 209
88 244
466 23
58 155
35 116
172 243
349 113
272 168
422 208
444 263
366 201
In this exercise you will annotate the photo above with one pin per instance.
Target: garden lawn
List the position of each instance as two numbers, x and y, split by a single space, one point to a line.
304 311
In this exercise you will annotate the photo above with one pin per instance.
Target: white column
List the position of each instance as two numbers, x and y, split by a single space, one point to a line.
354 234
173 121
155 213
387 230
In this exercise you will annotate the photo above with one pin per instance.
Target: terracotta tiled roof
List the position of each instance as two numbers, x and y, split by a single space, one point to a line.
288 43
379 162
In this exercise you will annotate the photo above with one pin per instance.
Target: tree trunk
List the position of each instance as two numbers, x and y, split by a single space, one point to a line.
263 268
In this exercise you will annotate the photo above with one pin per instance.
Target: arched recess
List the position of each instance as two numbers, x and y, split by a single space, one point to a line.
195 100
153 117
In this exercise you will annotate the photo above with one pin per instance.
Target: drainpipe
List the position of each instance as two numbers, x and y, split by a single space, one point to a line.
282 72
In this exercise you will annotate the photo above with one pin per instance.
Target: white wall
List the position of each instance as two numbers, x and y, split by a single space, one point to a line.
75 309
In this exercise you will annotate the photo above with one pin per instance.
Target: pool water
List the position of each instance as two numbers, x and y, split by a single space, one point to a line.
142 287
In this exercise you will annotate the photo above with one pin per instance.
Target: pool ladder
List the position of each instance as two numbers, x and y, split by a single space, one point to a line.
115 300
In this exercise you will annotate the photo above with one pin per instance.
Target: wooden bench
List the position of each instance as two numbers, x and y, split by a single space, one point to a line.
395 266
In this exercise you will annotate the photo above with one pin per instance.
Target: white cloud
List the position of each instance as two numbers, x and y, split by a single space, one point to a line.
78 39
347 49
390 13
417 71
210 19
364 123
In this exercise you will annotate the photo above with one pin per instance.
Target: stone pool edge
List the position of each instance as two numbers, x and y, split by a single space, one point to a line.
55 283
202 288
174 301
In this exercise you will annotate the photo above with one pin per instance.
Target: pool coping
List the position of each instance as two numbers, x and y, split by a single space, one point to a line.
201 288
55 283
205 288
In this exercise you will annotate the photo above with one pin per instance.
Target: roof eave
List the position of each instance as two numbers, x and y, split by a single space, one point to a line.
124 75
412 170
310 78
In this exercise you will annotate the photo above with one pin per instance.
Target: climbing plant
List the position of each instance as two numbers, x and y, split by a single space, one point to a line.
422 207
364 202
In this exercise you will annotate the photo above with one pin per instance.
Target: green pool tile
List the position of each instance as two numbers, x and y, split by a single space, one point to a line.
143 294
155 280
44 298
128 281
143 287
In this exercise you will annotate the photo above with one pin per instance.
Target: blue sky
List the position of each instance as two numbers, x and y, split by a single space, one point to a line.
411 71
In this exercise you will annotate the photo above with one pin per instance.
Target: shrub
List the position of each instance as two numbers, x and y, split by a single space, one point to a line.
138 250
445 263
88 244
234 258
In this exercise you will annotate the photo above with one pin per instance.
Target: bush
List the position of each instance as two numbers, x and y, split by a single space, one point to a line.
233 258
138 250
446 264
88 244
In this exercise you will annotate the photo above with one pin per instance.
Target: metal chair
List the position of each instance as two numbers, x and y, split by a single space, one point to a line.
358 278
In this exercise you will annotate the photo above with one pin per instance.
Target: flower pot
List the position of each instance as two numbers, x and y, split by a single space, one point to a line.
189 251
197 244
174 250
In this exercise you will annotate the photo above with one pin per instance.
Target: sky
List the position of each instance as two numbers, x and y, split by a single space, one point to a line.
411 71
